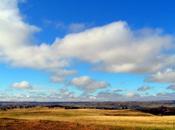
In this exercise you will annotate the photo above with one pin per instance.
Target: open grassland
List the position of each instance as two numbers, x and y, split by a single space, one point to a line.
83 119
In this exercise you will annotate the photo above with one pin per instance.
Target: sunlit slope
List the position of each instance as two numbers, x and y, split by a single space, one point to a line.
115 118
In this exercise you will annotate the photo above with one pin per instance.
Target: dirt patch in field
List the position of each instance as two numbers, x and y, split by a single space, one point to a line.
14 124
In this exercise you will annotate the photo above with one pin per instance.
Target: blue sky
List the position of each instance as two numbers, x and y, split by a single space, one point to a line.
138 14
66 50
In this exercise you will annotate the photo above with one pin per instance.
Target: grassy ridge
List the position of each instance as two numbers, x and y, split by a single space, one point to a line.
113 119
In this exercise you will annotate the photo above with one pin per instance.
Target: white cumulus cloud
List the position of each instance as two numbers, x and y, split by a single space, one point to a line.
167 76
22 85
117 48
88 84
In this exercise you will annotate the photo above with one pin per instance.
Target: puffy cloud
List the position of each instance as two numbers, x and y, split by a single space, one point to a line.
167 76
171 87
60 75
144 88
113 47
88 84
16 45
132 95
13 31
22 85
117 48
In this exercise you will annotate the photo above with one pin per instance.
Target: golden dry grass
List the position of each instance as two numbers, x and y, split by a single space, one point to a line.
115 118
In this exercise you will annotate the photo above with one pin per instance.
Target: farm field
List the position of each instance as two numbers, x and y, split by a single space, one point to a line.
82 119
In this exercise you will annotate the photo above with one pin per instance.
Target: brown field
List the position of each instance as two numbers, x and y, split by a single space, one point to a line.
82 119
